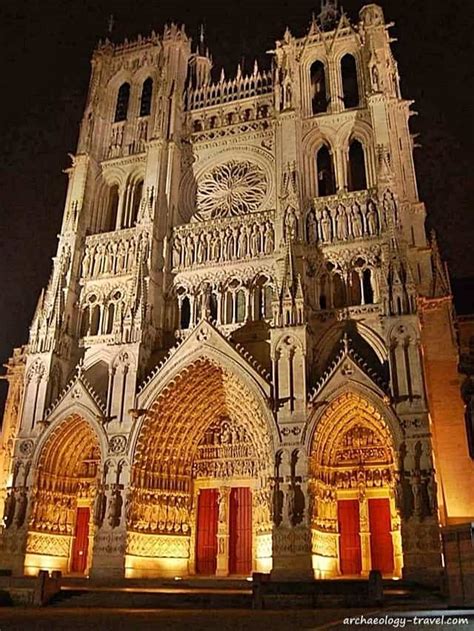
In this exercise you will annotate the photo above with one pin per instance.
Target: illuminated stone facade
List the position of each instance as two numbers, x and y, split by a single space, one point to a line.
246 329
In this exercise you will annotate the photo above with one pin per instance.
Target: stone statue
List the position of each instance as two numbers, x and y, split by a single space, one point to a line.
326 228
201 249
372 219
269 238
176 252
86 263
357 229
255 241
222 508
100 505
431 490
291 224
115 508
312 227
416 490
22 505
9 510
341 225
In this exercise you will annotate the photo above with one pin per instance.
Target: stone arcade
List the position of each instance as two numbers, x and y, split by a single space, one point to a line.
236 364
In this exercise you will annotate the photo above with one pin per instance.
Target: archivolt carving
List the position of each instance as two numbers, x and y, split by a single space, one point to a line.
204 424
351 427
232 188
352 448
67 470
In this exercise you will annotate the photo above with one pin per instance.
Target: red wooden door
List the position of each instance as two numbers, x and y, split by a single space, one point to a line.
240 531
206 535
81 541
381 546
349 537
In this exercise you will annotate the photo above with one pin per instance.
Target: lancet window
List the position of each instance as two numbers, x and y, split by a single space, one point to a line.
121 108
350 87
318 88
325 172
338 289
147 93
357 178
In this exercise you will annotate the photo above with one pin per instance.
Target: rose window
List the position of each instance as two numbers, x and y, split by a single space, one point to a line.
230 189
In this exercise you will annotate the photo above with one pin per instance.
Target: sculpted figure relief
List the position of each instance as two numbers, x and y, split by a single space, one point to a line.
344 222
291 224
230 243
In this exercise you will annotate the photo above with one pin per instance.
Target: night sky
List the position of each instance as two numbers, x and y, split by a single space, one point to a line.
45 50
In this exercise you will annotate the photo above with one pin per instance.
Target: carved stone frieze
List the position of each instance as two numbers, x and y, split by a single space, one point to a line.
50 544
157 546
288 541
324 543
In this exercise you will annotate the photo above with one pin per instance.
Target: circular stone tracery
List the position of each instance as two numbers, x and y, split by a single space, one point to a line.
231 189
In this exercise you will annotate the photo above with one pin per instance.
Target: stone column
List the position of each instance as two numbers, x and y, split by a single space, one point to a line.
108 556
335 87
291 544
420 531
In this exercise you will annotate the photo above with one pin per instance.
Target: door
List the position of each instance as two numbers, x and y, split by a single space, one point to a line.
240 531
81 541
381 545
206 535
349 537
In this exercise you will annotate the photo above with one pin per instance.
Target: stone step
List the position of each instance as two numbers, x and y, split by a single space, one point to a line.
154 598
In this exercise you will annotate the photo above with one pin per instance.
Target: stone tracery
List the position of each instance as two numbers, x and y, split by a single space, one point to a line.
232 188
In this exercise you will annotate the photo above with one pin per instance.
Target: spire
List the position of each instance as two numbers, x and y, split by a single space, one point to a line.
201 47
110 24
329 15
201 62
288 308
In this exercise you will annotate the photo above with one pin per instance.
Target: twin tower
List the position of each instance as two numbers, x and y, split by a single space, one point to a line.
245 358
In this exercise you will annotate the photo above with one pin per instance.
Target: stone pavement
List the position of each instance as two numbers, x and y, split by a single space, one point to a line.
48 619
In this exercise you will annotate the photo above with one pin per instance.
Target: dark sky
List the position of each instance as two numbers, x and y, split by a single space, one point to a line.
44 68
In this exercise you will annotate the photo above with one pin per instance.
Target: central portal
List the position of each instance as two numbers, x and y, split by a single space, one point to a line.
224 531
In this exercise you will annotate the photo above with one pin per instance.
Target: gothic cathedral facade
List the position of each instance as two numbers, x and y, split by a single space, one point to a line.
245 358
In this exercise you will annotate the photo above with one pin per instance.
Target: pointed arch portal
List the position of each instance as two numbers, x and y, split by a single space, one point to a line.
65 483
199 499
354 520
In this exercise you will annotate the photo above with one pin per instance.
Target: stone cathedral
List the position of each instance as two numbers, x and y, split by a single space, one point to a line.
245 359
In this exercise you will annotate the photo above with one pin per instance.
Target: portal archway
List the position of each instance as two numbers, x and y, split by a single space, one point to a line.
200 500
61 530
353 486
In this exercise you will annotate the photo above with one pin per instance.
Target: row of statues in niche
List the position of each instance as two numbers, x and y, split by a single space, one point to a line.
54 512
152 511
223 244
340 223
114 257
